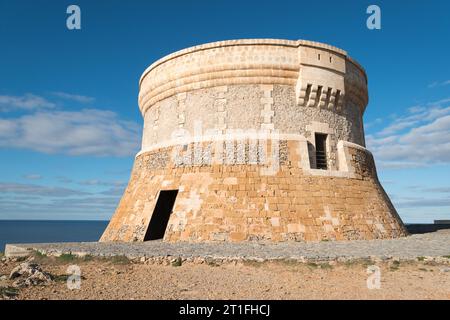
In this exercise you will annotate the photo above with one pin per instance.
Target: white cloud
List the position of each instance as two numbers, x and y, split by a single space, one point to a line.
86 132
375 122
32 201
423 202
438 190
32 176
420 138
74 97
85 207
26 102
98 182
416 109
37 190
398 126
416 115
7 128
63 179
399 164
438 84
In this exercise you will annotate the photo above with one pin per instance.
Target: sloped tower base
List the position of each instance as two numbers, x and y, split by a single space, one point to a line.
243 202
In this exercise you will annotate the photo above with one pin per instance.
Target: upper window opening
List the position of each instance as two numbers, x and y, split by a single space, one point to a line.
321 151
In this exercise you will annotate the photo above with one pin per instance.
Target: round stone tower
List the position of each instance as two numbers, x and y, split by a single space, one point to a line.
254 140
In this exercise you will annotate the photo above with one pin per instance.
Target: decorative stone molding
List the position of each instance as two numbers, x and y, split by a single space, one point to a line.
220 104
267 113
181 97
250 61
155 124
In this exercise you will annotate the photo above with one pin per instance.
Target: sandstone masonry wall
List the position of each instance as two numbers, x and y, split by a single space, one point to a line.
238 202
232 126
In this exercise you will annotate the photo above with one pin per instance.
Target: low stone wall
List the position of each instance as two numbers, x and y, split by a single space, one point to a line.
422 247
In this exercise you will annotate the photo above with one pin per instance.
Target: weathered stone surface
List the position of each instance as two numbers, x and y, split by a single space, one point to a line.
231 125
29 274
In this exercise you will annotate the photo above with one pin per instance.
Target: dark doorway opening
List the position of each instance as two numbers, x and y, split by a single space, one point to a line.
161 214
321 151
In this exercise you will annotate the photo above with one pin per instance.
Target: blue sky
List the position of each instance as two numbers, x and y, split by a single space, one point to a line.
70 125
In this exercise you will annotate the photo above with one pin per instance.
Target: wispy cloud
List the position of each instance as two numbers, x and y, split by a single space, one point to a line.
73 97
115 188
115 191
417 115
32 176
37 190
42 126
423 202
420 138
439 84
433 190
25 102
375 122
98 182
420 198
86 132
63 179
26 201
88 207
399 164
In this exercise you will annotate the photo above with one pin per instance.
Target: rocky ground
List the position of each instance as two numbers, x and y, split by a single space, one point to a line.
415 267
120 278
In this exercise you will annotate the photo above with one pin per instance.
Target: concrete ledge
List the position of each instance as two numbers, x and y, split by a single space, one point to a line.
418 228
433 245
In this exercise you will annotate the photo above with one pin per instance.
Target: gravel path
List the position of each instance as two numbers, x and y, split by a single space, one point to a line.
435 244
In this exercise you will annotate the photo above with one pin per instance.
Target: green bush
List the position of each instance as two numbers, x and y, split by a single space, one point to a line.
9 292
119 259
67 257
177 262
395 265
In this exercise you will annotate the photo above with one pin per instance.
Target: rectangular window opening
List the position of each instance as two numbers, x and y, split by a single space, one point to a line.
321 151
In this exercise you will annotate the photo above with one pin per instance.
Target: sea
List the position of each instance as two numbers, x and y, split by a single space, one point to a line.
34 231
